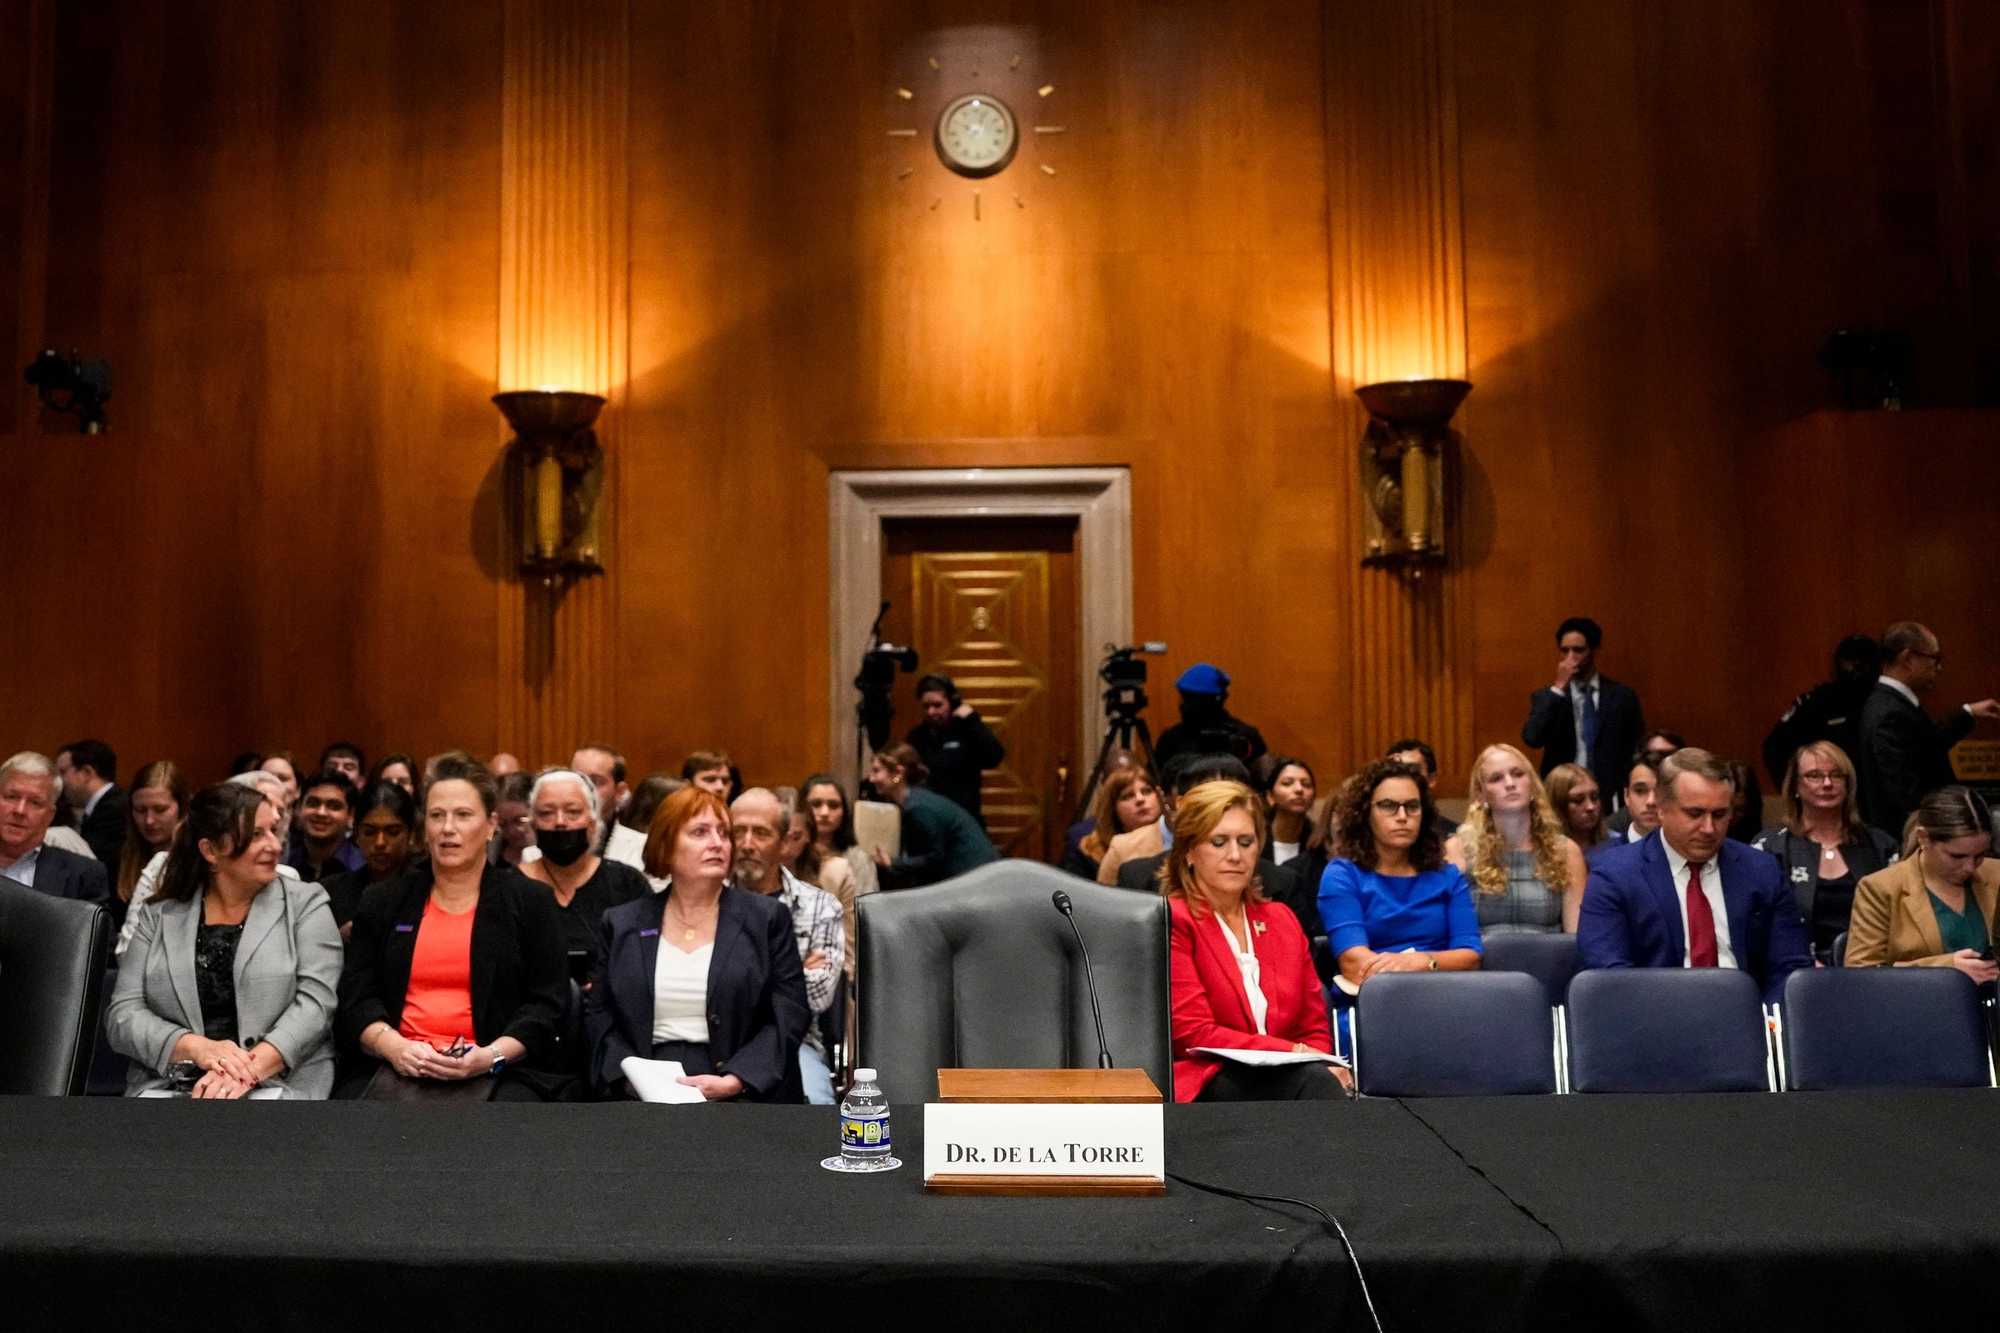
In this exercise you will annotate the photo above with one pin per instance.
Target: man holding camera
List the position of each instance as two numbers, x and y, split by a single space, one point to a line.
955 744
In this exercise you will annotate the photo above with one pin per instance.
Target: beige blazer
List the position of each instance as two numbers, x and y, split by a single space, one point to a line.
1893 922
1137 845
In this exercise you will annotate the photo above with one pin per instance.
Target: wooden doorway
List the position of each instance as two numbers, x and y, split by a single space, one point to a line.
992 603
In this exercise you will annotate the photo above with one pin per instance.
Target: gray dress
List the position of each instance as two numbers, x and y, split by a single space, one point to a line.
1527 907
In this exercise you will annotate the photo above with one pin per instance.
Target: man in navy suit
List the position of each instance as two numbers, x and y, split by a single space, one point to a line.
1686 896
28 794
1585 718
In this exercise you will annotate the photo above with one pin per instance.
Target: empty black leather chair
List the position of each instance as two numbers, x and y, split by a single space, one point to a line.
1884 1027
982 972
1662 1029
1454 1034
53 954
1549 958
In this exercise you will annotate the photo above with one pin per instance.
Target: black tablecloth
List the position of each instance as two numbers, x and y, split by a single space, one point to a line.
1751 1211
505 1216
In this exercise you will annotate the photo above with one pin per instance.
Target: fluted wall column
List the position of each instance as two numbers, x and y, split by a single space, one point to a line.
1397 276
564 323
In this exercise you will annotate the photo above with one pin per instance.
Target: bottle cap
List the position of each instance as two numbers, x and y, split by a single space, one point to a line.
864 1076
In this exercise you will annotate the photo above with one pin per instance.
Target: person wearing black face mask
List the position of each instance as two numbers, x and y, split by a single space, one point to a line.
563 806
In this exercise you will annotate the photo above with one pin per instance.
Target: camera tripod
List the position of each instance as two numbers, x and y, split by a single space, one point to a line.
1124 727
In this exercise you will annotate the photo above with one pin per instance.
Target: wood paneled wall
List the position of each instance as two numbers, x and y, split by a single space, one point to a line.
313 241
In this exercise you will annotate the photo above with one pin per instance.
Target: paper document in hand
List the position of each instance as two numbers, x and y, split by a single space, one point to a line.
658 1080
878 824
1243 1056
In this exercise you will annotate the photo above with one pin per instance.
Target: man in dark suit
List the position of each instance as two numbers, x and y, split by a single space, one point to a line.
1583 717
1687 896
1903 753
89 773
28 787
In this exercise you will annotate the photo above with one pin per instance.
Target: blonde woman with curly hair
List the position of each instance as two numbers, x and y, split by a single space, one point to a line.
1526 873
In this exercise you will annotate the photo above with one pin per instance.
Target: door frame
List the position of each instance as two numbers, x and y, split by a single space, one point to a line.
858 501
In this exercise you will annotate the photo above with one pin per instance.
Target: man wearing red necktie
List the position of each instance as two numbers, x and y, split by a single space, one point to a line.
1686 896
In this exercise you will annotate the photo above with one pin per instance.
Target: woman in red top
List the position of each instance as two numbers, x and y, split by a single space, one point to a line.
1240 970
455 973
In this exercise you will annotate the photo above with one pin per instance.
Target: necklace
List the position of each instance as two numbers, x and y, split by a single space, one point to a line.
688 928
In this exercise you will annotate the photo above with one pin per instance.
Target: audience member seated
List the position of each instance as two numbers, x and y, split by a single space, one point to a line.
940 840
605 768
1583 717
397 768
1207 726
231 966
1691 897
454 968
159 803
1830 710
954 742
385 834
1746 802
29 790
1527 875
1579 803
517 821
1289 789
504 764
1279 883
346 759
1823 848
1124 801
1656 747
1113 759
1939 907
1239 969
1903 752
703 974
568 824
758 821
1411 750
713 771
1389 899
830 859
646 798
1146 842
281 765
321 845
89 774
1641 801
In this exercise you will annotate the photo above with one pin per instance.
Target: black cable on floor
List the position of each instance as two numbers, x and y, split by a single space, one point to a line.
1332 1221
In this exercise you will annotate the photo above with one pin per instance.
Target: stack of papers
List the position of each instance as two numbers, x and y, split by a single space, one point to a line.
1244 1056
658 1080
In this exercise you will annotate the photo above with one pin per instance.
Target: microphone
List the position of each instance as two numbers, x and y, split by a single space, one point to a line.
1061 900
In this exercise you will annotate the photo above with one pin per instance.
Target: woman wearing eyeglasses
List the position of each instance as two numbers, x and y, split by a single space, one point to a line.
1823 847
1389 899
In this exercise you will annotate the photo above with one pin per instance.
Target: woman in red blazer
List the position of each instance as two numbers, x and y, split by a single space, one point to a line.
1241 974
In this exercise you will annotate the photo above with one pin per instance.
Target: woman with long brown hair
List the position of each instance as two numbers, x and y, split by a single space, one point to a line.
1126 799
1527 874
159 803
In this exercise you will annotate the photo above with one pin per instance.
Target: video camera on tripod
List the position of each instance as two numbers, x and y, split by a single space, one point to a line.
877 682
1124 677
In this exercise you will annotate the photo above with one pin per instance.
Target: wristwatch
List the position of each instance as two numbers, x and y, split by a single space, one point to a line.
498 1066
1434 961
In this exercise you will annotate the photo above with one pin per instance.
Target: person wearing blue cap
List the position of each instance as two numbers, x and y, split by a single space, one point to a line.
1206 725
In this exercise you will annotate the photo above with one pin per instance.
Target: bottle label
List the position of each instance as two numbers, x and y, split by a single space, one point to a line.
864 1134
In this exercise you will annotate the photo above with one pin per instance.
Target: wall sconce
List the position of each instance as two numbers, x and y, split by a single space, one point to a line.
559 476
1404 473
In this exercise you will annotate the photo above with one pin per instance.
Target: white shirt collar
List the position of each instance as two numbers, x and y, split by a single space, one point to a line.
22 869
1900 688
95 797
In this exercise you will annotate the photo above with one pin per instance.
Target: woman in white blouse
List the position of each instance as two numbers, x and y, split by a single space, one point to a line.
704 974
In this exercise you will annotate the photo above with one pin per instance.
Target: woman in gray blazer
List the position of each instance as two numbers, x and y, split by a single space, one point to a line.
231 968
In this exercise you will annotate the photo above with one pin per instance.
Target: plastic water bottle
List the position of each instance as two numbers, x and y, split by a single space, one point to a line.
864 1128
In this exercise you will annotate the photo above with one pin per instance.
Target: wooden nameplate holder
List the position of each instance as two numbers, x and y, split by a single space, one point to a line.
1045 1129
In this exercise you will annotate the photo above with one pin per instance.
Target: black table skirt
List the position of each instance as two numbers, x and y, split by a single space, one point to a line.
1487 1213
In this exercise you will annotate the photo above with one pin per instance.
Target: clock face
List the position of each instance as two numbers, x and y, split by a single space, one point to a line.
976 135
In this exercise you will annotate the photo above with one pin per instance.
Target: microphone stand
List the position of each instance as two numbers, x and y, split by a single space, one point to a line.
1062 902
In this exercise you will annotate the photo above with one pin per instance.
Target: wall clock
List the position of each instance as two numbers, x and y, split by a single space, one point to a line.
976 135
